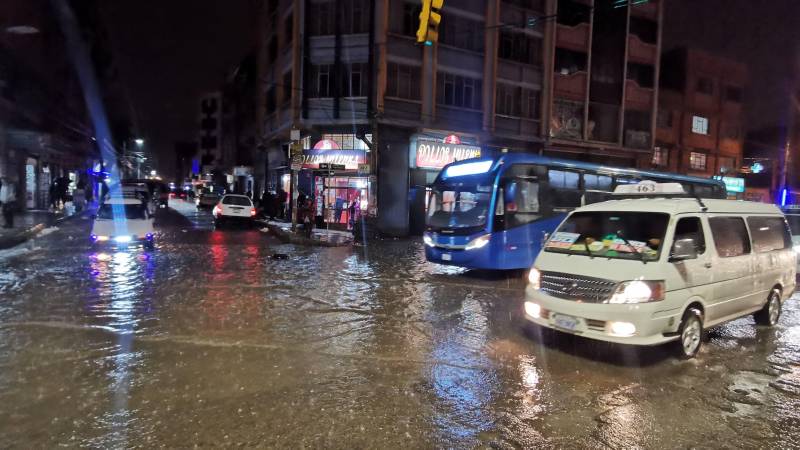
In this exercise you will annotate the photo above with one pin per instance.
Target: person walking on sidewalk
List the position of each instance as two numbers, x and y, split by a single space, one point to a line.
8 198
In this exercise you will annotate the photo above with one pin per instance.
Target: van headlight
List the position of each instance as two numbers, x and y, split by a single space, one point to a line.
534 278
638 291
428 240
478 242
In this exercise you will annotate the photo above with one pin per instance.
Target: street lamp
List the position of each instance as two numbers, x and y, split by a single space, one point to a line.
139 142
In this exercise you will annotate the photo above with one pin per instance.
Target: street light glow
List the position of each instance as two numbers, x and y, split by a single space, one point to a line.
139 141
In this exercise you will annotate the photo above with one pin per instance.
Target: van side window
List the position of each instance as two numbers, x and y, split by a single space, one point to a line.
769 233
730 236
691 228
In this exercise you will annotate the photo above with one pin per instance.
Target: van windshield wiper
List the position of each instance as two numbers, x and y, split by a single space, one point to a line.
628 243
586 245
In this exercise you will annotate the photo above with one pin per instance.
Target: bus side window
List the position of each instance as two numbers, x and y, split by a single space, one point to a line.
564 189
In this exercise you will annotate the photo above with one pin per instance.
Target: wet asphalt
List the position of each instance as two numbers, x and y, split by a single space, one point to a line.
210 340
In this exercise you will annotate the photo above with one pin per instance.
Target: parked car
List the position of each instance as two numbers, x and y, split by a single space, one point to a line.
792 213
647 271
234 208
207 200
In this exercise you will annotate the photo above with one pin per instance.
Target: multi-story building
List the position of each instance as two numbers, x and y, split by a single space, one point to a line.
700 119
604 80
505 76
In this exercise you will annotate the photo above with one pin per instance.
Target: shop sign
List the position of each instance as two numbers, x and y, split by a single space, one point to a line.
732 184
329 166
363 169
435 155
297 162
350 159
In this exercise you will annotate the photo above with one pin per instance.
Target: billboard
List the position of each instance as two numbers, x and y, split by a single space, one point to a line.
435 155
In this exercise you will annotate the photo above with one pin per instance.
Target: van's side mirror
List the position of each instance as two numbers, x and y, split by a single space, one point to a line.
683 249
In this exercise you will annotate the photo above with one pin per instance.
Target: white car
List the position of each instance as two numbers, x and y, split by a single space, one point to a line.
647 271
234 208
123 221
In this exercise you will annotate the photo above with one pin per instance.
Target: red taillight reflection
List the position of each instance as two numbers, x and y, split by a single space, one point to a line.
252 212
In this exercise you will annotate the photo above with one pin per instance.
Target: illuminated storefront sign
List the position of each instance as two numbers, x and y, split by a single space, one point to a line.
435 155
312 158
732 184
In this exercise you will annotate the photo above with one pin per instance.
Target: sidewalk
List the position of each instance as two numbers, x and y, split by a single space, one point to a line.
29 223
319 236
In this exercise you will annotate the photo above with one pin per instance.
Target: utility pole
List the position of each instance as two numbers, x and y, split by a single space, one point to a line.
294 158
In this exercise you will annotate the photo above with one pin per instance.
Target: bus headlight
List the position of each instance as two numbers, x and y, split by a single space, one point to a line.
478 242
428 240
534 278
638 291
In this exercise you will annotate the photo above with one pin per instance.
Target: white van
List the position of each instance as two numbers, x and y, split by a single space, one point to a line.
123 221
651 270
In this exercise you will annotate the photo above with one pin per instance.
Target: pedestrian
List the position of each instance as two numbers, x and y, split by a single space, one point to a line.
8 198
268 204
351 214
79 196
280 199
52 194
337 209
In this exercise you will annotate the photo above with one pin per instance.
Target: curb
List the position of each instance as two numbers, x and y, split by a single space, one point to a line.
26 235
292 238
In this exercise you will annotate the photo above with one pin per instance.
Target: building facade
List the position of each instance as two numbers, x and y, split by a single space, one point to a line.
546 76
700 124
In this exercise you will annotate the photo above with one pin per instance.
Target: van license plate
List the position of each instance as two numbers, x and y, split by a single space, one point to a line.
566 322
447 257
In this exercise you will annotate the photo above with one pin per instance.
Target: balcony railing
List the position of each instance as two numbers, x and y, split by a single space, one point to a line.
637 97
641 52
573 38
572 86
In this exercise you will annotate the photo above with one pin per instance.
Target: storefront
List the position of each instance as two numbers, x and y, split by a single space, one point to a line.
337 180
734 187
428 154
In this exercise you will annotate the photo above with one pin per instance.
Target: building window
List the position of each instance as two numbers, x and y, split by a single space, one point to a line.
643 74
323 19
269 101
354 16
731 131
697 161
403 81
664 118
509 100
288 29
699 125
660 156
727 164
572 13
287 87
355 80
321 81
531 106
411 13
462 33
272 50
520 47
455 90
733 94
705 86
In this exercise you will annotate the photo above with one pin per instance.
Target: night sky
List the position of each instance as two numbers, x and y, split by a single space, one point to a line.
170 52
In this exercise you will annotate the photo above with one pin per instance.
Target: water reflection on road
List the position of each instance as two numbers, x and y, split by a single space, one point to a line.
210 340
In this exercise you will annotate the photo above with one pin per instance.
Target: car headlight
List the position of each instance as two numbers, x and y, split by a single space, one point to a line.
638 291
122 239
534 278
797 249
428 241
478 242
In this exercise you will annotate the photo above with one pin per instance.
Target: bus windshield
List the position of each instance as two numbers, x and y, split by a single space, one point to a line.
459 206
623 235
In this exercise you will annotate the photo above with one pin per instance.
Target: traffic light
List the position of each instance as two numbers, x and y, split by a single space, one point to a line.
429 18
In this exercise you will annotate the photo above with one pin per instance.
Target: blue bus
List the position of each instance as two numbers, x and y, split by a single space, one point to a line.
495 213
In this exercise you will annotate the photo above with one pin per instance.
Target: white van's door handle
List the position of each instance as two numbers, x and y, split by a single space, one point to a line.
707 265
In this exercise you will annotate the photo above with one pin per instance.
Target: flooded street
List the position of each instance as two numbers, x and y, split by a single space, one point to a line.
212 340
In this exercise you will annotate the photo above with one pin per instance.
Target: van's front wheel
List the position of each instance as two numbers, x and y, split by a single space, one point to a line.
771 312
691 334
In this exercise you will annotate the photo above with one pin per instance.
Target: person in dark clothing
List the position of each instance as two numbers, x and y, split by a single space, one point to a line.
280 200
268 204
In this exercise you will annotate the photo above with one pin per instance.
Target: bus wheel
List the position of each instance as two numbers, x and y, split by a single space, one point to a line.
691 334
771 312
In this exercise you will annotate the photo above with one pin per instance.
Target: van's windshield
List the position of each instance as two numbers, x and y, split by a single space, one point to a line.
623 235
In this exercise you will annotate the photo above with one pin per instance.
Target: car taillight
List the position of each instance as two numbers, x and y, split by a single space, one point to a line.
252 212
217 210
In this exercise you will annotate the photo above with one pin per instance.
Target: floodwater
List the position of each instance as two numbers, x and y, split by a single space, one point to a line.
210 340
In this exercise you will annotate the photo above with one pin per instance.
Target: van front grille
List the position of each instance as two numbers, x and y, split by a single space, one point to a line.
573 287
